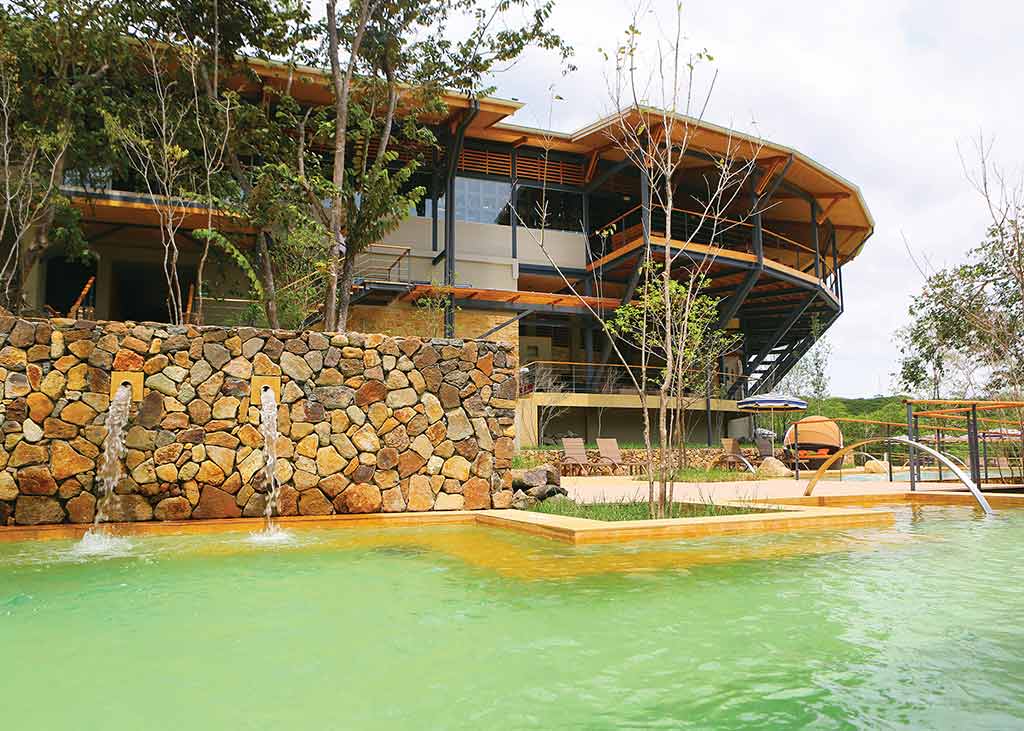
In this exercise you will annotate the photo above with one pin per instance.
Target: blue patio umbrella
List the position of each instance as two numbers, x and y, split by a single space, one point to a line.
771 402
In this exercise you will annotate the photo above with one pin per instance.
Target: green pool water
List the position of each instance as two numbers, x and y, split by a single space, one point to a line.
918 626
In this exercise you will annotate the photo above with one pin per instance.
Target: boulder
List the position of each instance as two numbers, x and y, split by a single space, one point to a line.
772 467
295 367
127 508
359 498
81 508
216 503
477 494
37 509
543 492
173 508
876 467
421 496
66 462
36 481
313 502
456 467
544 474
445 501
522 501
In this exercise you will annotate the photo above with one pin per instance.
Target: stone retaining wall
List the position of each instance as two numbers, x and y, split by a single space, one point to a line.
368 422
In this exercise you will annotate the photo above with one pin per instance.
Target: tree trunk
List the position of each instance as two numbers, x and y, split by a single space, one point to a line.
269 287
35 244
345 290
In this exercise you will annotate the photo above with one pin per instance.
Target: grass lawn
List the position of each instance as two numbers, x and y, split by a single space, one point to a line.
699 474
637 510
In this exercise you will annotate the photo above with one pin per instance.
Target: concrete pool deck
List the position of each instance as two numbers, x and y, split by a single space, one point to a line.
604 488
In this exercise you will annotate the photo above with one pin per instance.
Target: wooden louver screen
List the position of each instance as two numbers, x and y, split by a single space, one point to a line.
405 150
550 171
490 162
486 162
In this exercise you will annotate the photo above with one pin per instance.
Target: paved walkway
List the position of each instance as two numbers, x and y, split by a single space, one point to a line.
592 489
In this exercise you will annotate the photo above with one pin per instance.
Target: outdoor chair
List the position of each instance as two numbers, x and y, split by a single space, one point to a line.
574 457
731 454
609 449
765 449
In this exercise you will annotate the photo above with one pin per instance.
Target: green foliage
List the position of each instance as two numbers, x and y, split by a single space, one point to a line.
432 307
696 341
967 322
216 238
627 509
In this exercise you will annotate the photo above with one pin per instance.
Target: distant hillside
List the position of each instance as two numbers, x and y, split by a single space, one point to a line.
868 408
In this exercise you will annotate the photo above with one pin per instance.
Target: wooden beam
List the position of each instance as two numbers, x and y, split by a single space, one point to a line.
823 214
592 165
819 196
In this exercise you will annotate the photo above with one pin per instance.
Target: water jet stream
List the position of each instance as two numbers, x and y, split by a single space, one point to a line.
268 428
96 541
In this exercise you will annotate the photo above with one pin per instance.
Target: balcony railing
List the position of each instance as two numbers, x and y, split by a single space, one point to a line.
707 230
611 379
384 263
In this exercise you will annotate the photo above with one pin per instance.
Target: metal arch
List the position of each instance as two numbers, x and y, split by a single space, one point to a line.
916 445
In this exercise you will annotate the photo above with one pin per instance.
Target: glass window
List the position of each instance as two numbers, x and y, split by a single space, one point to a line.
564 211
481 201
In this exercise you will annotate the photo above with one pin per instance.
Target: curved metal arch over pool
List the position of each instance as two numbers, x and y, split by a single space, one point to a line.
916 445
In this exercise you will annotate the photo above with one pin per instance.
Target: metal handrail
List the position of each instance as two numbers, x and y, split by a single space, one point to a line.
968 483
606 378
731 221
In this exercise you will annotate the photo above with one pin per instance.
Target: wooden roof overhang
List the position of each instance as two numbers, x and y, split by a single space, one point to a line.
838 200
477 298
309 85
128 210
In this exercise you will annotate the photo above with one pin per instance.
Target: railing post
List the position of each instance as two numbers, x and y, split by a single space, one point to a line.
707 406
796 448
972 435
814 238
910 448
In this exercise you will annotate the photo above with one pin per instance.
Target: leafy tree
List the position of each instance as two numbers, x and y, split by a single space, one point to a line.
692 336
61 63
384 54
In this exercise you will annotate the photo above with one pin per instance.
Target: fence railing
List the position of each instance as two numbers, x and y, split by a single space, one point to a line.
384 263
611 379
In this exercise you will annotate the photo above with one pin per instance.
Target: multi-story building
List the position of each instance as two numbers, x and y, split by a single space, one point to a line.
777 261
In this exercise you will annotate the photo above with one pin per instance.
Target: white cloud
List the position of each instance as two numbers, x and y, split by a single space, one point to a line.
881 92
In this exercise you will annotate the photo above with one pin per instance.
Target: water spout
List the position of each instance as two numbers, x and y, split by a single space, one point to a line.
268 428
95 541
109 472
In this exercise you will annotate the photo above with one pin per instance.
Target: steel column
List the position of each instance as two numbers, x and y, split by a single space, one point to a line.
449 218
910 447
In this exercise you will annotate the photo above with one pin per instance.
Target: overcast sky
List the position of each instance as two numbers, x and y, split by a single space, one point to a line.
881 92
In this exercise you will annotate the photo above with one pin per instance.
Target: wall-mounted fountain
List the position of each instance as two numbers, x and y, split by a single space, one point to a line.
133 379
364 423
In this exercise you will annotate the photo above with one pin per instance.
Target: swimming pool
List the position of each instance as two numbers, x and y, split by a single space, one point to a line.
914 626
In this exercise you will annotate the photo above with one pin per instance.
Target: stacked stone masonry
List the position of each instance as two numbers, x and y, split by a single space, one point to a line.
368 423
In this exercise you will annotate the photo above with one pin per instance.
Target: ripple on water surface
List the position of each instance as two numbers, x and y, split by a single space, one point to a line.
909 627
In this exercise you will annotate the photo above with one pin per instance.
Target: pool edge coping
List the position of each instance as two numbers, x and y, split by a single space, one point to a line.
576 531
792 514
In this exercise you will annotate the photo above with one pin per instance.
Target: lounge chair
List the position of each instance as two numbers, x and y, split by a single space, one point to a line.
609 449
765 449
732 455
574 457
